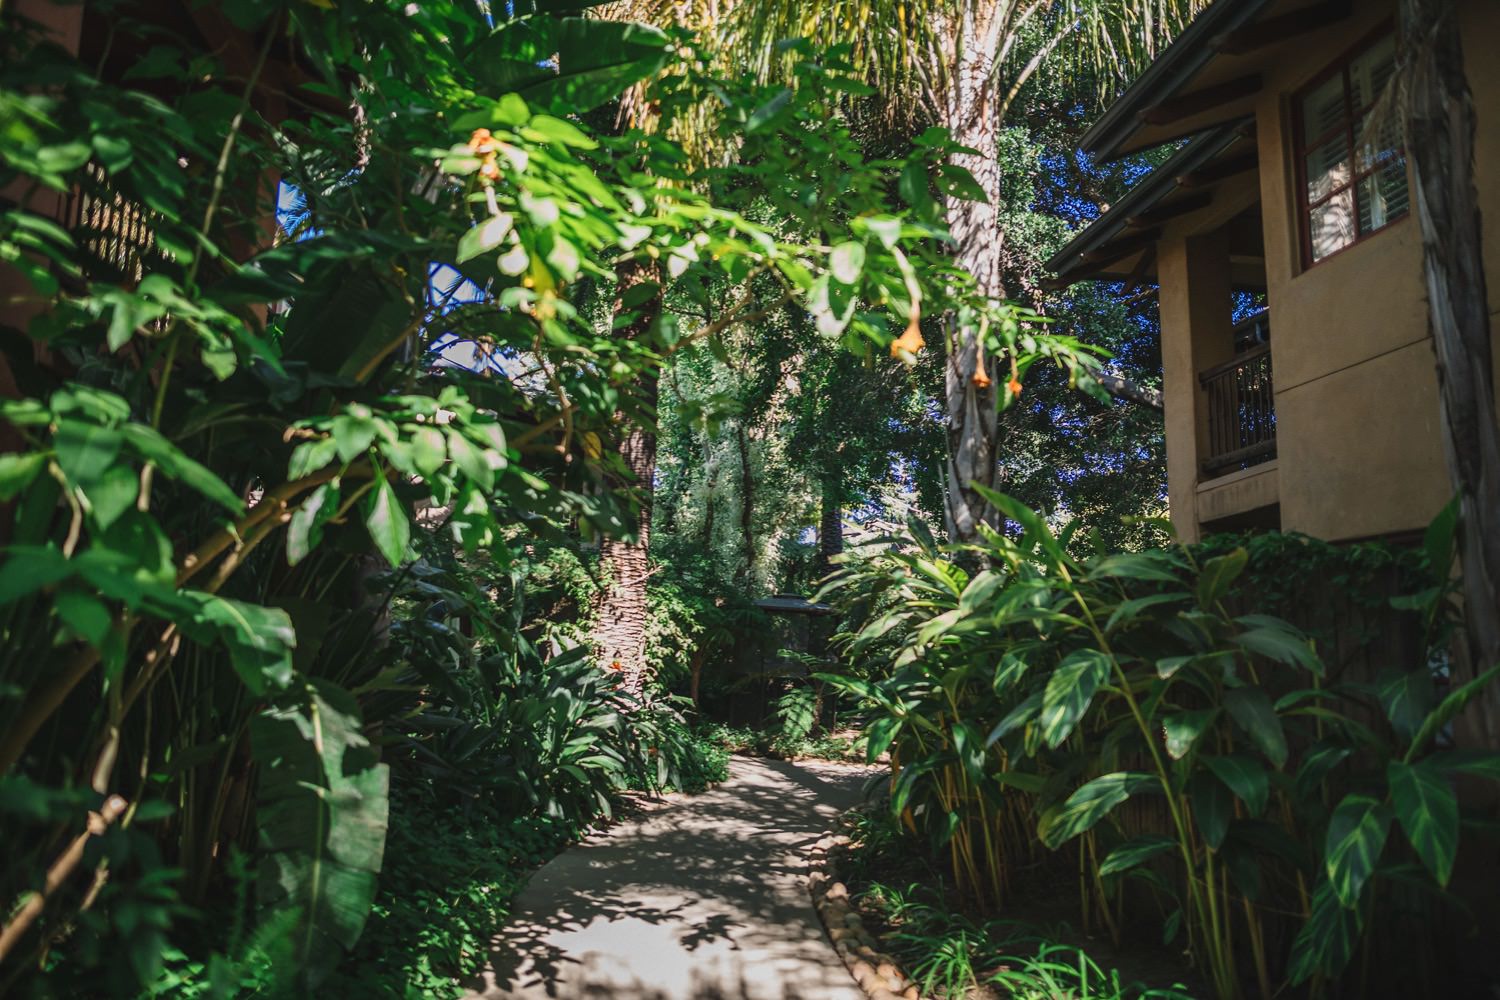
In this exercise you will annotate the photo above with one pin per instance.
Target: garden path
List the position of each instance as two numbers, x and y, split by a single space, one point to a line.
701 898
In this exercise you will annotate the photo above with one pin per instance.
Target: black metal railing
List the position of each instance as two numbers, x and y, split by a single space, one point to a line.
1241 412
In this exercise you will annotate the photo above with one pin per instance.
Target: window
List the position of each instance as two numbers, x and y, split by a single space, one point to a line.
1350 164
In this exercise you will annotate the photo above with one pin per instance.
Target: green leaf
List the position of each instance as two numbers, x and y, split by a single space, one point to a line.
86 616
545 128
1251 709
86 451
1134 853
1407 698
1213 807
1282 643
847 261
767 112
305 530
1091 803
1182 730
17 472
1480 763
1245 777
388 524
322 811
175 464
310 456
1019 716
1356 836
353 433
484 237
1427 810
1217 576
260 640
1069 691
1450 706
470 461
113 494
428 450
1326 942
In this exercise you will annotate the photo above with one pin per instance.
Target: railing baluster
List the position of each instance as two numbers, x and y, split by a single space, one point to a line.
1241 408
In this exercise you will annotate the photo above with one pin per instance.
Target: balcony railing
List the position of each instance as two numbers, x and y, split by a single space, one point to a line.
1241 412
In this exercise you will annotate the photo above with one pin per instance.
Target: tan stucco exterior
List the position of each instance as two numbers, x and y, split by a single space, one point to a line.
1359 452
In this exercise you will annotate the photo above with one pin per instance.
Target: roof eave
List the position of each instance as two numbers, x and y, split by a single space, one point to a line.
1181 61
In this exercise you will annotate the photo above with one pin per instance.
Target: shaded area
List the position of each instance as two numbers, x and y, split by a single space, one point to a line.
701 898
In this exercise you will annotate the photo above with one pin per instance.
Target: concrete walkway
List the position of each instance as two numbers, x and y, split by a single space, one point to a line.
702 898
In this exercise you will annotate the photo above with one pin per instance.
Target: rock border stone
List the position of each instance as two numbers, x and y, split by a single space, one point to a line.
876 972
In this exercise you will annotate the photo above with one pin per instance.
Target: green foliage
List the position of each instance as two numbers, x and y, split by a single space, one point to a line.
1145 677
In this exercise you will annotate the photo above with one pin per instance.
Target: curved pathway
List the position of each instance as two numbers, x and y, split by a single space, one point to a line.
701 898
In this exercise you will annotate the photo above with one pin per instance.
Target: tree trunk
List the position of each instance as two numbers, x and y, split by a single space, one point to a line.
1438 113
831 525
973 415
747 503
620 615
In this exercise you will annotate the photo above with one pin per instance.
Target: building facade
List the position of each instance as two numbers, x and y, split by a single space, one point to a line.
1300 388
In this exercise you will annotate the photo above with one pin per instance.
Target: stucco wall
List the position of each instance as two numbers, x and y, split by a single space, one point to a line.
1358 439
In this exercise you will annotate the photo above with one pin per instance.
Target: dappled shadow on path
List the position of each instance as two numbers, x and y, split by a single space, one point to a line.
700 899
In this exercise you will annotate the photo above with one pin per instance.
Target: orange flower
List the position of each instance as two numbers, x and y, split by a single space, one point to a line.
909 343
616 665
981 378
482 141
489 170
1014 385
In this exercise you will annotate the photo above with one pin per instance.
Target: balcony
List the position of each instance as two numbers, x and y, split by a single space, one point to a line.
1241 409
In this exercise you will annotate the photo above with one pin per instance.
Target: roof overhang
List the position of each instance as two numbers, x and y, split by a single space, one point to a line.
1210 74
1121 242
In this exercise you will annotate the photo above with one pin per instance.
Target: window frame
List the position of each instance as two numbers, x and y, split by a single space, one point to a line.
1300 147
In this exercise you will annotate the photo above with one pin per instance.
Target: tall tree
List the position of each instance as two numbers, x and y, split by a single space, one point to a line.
961 64
1438 114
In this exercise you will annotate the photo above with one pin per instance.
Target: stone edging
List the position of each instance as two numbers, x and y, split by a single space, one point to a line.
876 973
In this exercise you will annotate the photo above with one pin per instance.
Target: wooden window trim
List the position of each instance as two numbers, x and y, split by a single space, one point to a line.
1339 66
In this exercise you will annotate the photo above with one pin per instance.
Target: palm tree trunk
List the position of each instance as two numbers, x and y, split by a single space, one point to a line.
620 614
973 416
1439 119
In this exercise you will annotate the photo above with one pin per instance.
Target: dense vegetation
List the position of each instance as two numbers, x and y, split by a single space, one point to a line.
405 405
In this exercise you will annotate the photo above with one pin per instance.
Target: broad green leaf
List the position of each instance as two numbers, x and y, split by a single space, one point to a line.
1134 853
113 494
353 433
1282 643
1091 803
87 616
428 450
1150 566
175 464
1251 709
387 522
322 811
1017 717
1407 697
1245 777
1451 705
1327 940
1481 763
546 128
310 456
484 237
1069 691
305 530
1182 729
1427 810
17 472
1213 807
85 451
470 460
1217 576
260 640
1356 837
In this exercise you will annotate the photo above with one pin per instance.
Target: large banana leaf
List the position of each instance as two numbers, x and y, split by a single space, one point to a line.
322 811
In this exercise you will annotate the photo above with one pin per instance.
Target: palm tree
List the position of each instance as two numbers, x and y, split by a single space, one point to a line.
1438 115
960 64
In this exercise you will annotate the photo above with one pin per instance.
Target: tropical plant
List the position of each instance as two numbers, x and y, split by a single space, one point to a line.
1046 692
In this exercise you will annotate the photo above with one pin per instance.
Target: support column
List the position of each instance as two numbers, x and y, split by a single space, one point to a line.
1196 333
